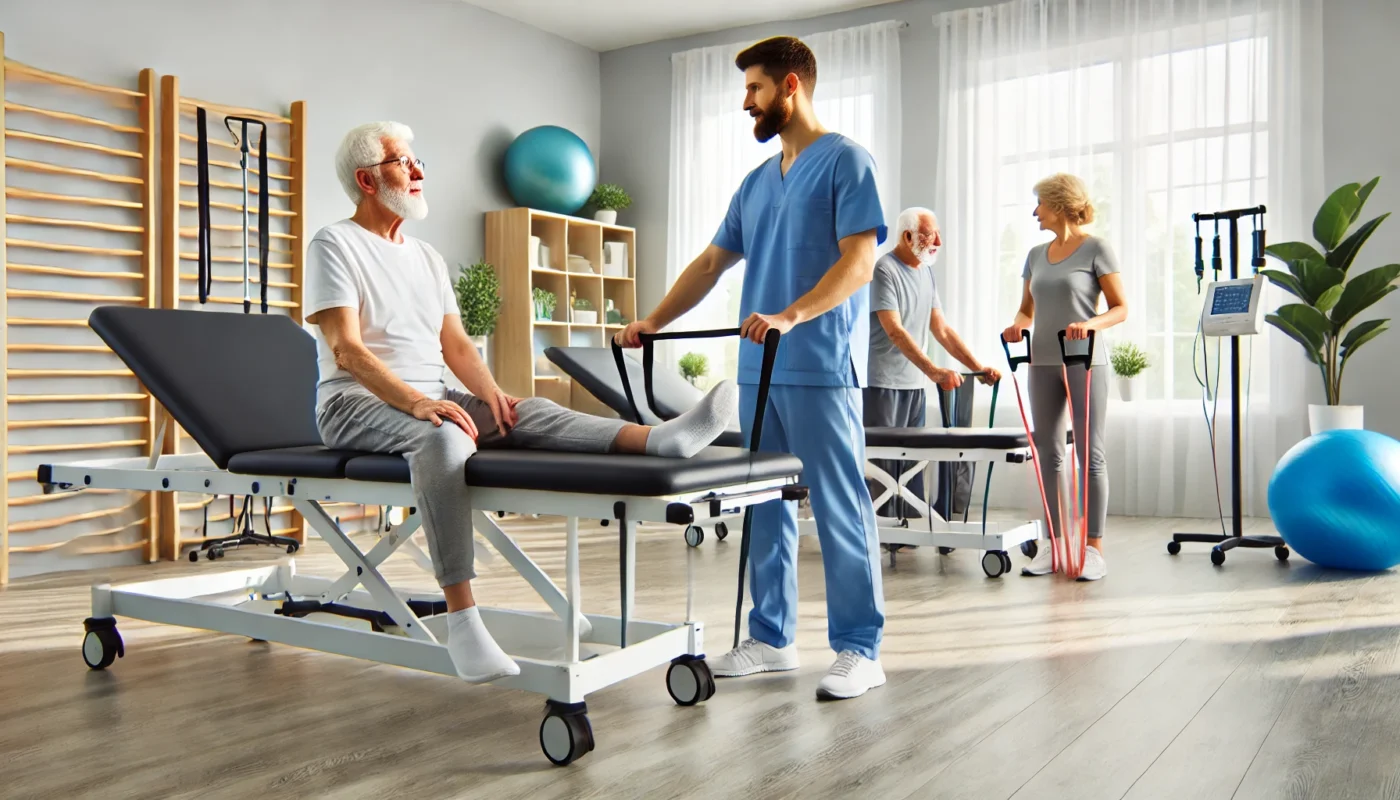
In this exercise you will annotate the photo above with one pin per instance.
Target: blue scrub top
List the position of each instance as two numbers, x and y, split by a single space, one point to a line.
787 228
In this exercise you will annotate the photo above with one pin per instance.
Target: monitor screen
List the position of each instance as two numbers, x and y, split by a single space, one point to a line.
1232 298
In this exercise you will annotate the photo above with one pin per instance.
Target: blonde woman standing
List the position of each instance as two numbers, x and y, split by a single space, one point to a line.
1064 279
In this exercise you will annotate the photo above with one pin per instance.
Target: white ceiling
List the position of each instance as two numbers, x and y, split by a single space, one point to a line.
609 24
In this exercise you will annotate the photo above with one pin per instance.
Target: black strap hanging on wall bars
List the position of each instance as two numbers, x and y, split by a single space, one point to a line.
206 248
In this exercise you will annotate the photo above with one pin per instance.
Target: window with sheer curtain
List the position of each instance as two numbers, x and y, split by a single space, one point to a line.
1164 108
713 148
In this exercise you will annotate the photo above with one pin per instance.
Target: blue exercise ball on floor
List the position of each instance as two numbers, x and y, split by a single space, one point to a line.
551 169
1335 499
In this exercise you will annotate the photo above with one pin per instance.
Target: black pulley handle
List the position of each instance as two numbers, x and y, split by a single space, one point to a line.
264 235
1015 361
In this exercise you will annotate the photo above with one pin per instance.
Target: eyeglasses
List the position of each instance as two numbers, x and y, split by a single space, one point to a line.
403 161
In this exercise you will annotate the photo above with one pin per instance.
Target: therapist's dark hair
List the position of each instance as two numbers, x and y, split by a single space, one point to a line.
779 57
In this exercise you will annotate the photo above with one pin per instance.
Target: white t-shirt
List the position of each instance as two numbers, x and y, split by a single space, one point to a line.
401 291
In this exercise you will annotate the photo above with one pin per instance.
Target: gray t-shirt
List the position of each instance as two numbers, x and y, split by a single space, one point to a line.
913 293
1067 292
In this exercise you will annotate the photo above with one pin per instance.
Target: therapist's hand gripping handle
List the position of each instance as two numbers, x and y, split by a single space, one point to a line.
648 340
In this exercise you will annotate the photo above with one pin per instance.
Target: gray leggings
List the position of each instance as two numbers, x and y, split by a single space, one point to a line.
1047 390
355 419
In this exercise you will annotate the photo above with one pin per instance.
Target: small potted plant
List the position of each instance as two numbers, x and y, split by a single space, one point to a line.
1128 361
608 199
479 301
545 302
584 312
694 366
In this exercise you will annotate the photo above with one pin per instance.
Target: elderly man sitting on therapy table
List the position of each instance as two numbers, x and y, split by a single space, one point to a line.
387 329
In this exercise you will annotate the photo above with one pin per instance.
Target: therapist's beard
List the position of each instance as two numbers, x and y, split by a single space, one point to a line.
403 204
772 120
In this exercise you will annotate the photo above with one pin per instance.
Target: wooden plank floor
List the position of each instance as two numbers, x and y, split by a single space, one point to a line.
1169 679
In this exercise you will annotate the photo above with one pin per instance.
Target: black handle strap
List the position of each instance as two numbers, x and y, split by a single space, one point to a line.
648 340
1087 358
1015 361
202 171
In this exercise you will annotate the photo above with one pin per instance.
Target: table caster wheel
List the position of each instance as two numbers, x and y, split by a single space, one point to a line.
565 735
1281 553
1217 556
194 556
689 681
101 643
694 535
995 563
944 551
1030 548
215 552
291 548
604 522
721 530
1173 547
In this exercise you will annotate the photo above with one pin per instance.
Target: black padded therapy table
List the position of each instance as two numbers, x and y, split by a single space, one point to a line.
667 395
244 387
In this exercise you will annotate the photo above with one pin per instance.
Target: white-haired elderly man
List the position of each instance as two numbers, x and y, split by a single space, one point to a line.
388 329
904 301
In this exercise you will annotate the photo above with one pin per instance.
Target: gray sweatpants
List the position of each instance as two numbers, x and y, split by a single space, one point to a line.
355 419
1047 390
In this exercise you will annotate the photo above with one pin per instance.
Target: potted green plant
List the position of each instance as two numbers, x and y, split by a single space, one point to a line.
608 199
479 302
1324 323
1128 362
694 366
545 301
584 312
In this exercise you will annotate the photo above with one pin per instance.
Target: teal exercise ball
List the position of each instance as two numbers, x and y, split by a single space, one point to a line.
1335 499
550 168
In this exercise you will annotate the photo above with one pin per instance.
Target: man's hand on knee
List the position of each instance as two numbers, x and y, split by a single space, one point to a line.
435 411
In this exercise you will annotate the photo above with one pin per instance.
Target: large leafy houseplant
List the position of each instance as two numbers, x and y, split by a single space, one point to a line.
1331 296
478 298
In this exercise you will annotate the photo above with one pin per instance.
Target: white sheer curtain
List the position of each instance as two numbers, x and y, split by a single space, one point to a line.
713 148
1164 108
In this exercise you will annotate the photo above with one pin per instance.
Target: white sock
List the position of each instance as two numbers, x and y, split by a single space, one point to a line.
687 434
475 654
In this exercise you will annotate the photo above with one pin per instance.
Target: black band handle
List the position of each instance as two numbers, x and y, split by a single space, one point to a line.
1087 359
1016 361
770 357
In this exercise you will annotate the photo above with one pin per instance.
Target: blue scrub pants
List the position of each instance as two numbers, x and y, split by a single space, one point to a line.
822 427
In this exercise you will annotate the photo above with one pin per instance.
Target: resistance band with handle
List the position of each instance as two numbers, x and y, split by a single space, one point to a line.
206 246
1012 363
263 233
770 357
1079 483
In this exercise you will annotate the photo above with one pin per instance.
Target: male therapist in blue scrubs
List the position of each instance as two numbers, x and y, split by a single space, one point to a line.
807 223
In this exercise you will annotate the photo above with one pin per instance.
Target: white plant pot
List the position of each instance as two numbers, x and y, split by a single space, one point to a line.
607 216
1127 387
483 346
1327 418
585 317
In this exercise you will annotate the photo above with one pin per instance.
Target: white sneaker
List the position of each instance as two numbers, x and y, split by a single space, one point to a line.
1043 563
851 676
753 656
1094 565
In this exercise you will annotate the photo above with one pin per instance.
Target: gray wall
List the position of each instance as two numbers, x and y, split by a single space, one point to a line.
466 80
1359 129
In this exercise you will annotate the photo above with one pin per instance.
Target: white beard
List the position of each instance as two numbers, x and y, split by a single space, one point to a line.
403 204
927 257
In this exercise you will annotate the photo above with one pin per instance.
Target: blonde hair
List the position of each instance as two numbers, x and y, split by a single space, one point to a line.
1068 196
